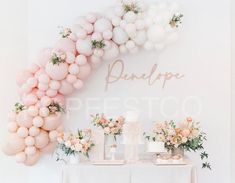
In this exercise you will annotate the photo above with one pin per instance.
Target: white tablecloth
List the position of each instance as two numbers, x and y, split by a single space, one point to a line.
130 173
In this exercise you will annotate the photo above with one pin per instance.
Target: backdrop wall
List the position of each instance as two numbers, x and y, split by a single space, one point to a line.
202 54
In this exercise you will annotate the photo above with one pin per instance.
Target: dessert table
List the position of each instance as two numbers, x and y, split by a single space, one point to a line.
143 172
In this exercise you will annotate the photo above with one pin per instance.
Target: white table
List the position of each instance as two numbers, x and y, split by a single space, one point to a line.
145 172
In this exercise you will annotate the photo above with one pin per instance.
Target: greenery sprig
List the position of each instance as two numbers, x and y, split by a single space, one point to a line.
176 20
57 58
131 7
55 107
19 107
64 32
98 44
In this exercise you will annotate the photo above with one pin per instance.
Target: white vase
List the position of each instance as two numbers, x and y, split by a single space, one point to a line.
109 142
74 159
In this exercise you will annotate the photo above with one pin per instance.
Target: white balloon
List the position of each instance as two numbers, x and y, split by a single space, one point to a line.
116 21
140 24
131 30
119 35
81 33
55 85
130 17
130 44
102 25
88 27
140 38
148 45
33 111
156 33
91 17
81 60
123 24
98 52
96 36
84 46
107 35
111 53
119 11
123 49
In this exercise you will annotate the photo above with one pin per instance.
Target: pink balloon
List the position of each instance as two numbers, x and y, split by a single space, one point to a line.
32 111
29 141
46 101
43 86
40 93
12 127
66 45
33 68
57 71
60 129
30 99
38 121
42 139
23 76
22 132
30 150
53 135
14 144
39 73
52 122
34 131
49 148
59 99
70 57
25 88
51 93
71 78
66 88
44 78
32 82
84 71
73 69
44 111
78 84
7 150
20 157
24 119
31 160
54 85
44 56
81 60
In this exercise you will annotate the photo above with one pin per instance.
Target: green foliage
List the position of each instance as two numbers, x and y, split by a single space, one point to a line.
176 20
19 107
55 107
98 44
131 7
56 60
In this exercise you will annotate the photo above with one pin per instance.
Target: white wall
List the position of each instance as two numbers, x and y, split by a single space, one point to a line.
202 54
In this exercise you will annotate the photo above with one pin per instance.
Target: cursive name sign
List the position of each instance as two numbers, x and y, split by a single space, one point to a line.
116 73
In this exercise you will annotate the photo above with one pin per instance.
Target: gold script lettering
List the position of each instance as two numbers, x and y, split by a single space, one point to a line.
116 73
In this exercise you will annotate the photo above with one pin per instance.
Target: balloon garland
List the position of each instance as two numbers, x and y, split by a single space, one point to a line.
36 121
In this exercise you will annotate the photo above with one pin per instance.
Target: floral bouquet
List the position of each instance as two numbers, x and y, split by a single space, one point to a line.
187 136
111 127
73 144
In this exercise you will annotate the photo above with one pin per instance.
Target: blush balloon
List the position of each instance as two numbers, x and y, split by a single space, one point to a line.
20 157
66 88
78 84
12 127
33 68
32 111
40 93
66 45
49 148
30 99
31 160
44 111
41 140
30 150
43 86
29 141
46 101
70 58
55 85
22 132
15 144
24 119
111 53
23 76
81 60
73 69
34 131
38 121
45 79
51 93
71 78
60 129
32 82
84 72
53 135
59 99
57 71
52 122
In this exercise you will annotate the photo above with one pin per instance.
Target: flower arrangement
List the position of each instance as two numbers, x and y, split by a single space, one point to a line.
55 107
19 107
97 44
65 32
58 57
112 127
187 136
72 144
176 20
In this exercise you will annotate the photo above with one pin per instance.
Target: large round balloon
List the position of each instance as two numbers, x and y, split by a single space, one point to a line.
52 122
24 119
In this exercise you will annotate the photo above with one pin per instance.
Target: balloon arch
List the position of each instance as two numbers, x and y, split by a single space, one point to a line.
36 121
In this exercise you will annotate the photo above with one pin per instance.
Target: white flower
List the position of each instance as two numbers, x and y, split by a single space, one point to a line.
78 147
107 130
68 144
83 141
184 139
111 124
